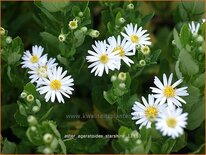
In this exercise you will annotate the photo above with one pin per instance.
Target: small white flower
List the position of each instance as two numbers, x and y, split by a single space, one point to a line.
194 28
203 20
73 24
171 122
136 36
41 70
147 113
56 85
167 91
123 47
103 59
32 59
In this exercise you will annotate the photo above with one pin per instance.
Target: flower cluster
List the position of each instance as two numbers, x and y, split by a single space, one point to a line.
50 79
163 107
107 55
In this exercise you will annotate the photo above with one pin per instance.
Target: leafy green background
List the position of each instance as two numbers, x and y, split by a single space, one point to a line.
39 23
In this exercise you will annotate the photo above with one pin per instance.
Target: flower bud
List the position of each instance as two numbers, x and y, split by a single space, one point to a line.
113 78
47 150
173 42
32 120
126 139
138 141
80 14
30 98
200 39
94 33
73 24
84 29
122 86
35 109
47 138
122 76
142 63
194 35
23 95
62 37
130 6
145 50
2 31
8 40
121 20
33 128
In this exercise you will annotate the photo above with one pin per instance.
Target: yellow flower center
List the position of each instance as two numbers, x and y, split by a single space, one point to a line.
42 71
120 49
151 113
104 58
55 84
73 24
171 122
134 38
169 91
34 59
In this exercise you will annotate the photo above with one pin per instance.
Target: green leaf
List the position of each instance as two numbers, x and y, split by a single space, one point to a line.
200 80
31 89
187 64
185 35
54 129
50 39
62 145
155 55
196 116
177 39
21 120
22 110
44 117
177 70
34 137
9 147
55 6
13 58
181 143
168 146
109 96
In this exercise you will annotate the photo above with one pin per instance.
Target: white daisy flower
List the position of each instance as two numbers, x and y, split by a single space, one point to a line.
30 60
41 70
136 36
123 47
194 28
167 91
56 85
147 113
171 122
102 58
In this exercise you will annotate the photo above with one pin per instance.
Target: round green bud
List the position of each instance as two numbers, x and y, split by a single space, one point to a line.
30 98
33 128
8 40
62 37
194 35
138 141
121 20
113 78
200 39
84 29
142 63
122 76
126 139
2 31
80 14
32 120
94 33
48 138
122 86
35 109
23 95
130 6
47 150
